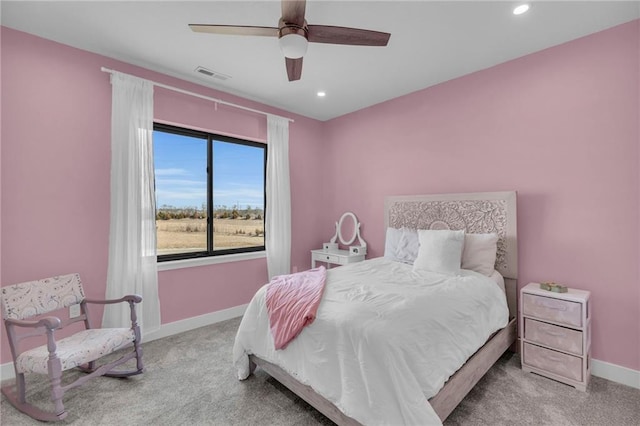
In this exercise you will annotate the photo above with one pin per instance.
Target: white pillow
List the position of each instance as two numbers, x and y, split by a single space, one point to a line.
440 251
401 245
479 253
409 246
391 242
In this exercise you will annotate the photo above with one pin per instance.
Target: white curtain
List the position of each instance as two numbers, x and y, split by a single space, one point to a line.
278 214
132 234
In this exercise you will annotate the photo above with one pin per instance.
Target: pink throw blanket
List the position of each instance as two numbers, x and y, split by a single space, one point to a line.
292 303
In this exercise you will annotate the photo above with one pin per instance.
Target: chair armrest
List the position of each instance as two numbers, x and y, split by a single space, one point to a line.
49 322
128 298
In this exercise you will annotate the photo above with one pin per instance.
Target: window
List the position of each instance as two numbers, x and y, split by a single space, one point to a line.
210 193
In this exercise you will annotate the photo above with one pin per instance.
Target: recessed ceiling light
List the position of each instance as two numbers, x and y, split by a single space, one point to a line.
321 94
521 9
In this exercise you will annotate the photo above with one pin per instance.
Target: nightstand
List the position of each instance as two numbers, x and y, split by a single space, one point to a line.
336 257
555 333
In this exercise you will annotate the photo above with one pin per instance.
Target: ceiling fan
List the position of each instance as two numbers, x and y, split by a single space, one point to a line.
294 34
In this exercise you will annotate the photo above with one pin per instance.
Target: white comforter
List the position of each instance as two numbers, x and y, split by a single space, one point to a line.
385 338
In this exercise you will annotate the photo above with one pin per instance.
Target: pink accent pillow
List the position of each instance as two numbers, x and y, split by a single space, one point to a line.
479 253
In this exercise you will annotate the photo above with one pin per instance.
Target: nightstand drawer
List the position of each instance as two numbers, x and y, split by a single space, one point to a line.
564 365
562 311
557 337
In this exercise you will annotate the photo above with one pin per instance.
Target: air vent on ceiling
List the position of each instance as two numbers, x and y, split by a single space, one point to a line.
212 74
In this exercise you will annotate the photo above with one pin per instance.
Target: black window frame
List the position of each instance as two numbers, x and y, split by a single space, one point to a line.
210 138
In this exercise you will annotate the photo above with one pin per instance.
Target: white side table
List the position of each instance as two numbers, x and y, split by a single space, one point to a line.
555 332
336 257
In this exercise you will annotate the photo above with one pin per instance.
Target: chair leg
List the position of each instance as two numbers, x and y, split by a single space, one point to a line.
21 388
17 397
136 353
55 377
138 349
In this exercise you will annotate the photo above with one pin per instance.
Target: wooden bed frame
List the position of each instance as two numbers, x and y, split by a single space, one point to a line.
477 213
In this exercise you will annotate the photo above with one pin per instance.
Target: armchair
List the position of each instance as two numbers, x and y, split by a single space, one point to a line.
23 307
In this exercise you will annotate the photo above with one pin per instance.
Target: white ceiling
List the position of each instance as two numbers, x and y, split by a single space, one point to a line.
431 42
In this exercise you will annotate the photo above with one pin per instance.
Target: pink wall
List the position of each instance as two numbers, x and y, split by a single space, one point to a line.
56 108
560 127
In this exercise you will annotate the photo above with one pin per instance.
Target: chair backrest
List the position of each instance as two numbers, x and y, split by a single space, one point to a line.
28 299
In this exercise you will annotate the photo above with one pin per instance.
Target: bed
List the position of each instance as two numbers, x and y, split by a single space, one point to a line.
368 379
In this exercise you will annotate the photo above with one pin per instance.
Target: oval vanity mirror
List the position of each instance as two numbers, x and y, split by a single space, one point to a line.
348 228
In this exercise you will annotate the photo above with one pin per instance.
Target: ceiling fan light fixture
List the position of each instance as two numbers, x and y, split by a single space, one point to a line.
293 46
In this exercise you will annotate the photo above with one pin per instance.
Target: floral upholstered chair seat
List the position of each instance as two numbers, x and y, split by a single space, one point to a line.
76 350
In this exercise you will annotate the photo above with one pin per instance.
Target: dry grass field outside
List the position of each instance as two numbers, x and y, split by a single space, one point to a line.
187 235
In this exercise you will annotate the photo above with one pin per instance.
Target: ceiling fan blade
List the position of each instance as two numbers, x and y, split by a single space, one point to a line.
294 68
234 30
293 11
344 35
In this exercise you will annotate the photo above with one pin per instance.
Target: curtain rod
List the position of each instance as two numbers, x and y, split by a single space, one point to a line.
197 95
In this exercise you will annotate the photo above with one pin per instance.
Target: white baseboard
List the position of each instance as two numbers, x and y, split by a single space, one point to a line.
616 373
7 372
613 372
181 326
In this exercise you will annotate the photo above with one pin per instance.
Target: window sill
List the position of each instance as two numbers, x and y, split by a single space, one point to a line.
211 260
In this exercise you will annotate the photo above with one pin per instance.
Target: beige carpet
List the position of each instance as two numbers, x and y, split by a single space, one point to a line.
190 381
